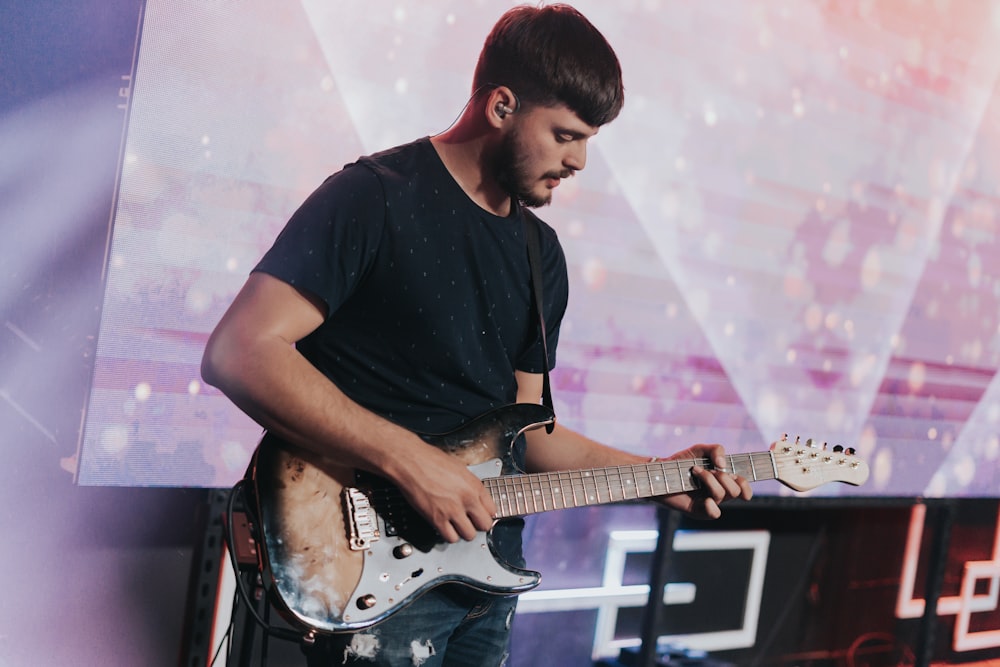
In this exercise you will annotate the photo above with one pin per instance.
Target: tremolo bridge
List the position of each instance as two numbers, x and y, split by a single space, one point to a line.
360 519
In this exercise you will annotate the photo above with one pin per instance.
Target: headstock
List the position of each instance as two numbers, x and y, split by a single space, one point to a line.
805 464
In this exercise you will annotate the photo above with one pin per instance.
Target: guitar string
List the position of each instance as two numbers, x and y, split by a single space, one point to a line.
520 494
630 480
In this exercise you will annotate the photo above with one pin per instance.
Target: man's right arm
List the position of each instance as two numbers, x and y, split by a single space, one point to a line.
251 358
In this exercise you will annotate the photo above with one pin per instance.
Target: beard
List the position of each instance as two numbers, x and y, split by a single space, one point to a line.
511 172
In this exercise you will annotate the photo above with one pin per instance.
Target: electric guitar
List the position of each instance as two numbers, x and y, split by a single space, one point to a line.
339 554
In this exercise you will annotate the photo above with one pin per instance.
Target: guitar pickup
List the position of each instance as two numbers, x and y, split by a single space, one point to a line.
360 519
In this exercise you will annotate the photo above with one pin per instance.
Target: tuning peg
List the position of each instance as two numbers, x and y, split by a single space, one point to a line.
824 446
850 451
838 448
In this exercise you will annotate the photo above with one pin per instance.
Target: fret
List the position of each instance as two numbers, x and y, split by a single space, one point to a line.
609 484
662 478
605 479
499 497
568 489
511 491
624 482
567 481
557 492
659 481
545 482
590 496
579 491
524 496
512 508
637 491
550 485
544 491
516 494
597 489
535 492
651 479
682 479
615 484
646 478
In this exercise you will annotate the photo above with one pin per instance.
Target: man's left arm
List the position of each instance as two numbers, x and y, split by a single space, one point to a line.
565 449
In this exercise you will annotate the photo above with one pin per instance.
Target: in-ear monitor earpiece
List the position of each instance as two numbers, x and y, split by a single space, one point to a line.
502 109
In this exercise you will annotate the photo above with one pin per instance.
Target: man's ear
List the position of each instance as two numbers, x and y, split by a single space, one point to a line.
501 103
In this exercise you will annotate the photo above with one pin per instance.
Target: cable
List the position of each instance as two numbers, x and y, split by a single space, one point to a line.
465 106
226 638
889 640
230 537
800 585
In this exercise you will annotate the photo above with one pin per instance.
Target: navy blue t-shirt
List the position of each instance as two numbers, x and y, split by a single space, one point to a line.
428 295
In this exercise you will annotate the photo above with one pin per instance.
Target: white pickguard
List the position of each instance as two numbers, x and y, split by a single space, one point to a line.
389 581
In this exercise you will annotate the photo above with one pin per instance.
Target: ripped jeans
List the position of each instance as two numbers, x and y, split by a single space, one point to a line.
449 626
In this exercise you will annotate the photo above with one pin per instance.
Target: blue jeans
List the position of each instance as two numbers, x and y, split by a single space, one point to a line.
449 626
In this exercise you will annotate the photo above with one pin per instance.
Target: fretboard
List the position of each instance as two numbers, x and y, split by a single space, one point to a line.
518 495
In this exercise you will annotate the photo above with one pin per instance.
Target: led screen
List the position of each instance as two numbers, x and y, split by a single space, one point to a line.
791 228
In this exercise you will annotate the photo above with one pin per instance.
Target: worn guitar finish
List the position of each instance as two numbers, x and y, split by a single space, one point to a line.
342 552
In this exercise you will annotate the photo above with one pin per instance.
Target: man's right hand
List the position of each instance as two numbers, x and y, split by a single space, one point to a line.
445 492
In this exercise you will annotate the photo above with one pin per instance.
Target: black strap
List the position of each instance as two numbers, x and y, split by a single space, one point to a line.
535 262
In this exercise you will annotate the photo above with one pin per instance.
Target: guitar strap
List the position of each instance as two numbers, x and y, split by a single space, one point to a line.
531 224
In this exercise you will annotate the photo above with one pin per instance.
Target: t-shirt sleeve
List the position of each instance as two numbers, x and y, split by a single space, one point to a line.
329 243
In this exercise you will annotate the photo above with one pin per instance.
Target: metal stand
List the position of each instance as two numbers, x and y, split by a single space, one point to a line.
667 522
251 616
215 603
937 522
199 642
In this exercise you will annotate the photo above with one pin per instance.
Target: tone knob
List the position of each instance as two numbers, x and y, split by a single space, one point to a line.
366 601
403 550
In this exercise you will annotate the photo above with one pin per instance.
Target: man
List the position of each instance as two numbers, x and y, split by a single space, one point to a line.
398 300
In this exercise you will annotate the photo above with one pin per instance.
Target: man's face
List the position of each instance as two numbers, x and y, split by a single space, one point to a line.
543 146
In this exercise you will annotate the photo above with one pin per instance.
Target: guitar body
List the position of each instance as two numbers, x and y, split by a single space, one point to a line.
343 551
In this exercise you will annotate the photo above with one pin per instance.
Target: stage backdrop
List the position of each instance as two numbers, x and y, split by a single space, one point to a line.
792 227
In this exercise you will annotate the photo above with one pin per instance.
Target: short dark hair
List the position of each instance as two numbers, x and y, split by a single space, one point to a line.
551 55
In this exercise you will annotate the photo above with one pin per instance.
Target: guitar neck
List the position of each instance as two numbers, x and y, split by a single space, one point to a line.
520 495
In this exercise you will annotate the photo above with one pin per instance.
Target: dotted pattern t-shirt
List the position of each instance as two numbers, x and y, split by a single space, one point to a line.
428 295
